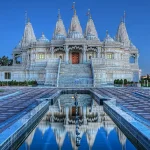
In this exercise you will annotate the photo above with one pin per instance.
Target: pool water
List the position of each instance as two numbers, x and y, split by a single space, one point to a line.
96 136
57 128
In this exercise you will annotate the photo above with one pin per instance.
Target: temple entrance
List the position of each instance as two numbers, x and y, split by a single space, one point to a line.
74 111
75 58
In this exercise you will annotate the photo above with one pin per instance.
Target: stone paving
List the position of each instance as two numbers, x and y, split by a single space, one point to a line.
13 107
136 100
6 91
130 99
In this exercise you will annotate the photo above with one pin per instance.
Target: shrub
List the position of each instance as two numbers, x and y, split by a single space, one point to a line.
18 83
125 81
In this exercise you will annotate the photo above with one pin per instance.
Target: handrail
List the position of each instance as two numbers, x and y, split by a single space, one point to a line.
93 72
58 72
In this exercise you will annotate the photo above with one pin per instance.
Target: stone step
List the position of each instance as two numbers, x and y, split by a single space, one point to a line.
75 74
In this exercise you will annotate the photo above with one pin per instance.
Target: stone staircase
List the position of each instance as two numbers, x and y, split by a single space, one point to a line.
75 75
52 72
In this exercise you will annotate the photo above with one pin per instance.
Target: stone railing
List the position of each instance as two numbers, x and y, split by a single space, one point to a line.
92 67
58 72
134 66
108 62
51 61
77 85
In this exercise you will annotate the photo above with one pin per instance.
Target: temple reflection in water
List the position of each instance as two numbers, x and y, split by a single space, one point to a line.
57 128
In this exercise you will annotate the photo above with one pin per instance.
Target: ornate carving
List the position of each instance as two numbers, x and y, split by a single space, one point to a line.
75 47
58 49
92 49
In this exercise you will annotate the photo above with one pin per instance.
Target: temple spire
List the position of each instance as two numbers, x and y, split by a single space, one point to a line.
75 30
29 36
90 32
122 35
60 32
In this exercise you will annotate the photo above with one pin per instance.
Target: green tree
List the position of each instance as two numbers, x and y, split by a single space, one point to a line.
125 81
5 61
121 81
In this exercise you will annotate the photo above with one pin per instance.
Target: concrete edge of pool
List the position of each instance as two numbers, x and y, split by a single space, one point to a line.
132 127
129 125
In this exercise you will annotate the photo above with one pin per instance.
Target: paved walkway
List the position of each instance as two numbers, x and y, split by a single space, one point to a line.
136 100
13 107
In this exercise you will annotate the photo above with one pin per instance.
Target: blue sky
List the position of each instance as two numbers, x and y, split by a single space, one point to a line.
106 15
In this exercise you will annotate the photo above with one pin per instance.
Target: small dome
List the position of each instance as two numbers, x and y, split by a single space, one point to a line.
75 35
43 39
108 39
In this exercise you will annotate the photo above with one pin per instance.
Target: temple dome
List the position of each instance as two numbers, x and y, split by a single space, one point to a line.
75 30
90 32
29 36
60 32
122 35
43 39
108 38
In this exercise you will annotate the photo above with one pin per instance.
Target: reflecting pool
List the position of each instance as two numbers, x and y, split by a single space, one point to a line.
105 136
57 129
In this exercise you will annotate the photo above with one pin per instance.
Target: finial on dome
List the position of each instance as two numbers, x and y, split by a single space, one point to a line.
28 20
73 8
124 17
59 16
107 33
89 14
26 17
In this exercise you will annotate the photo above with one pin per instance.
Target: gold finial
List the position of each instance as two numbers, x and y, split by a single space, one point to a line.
26 17
124 17
28 20
59 16
73 7
89 14
107 33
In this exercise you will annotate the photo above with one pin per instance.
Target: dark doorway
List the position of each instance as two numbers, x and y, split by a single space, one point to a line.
75 58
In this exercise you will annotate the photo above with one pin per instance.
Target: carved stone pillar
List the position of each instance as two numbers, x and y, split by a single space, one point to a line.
136 60
84 115
52 117
52 52
84 53
67 114
67 54
98 52
14 59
